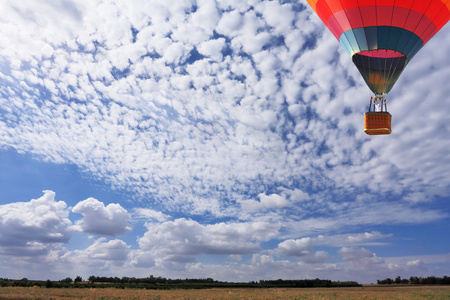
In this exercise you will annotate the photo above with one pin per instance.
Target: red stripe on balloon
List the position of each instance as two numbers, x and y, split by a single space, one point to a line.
402 13
369 16
381 53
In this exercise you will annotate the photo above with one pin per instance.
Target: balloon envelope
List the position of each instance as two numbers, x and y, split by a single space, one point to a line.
382 36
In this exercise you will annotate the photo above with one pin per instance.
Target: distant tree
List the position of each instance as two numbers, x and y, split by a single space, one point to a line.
66 280
385 281
161 280
417 280
430 280
78 279
414 280
48 284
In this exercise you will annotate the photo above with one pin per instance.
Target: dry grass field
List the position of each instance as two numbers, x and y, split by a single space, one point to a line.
366 292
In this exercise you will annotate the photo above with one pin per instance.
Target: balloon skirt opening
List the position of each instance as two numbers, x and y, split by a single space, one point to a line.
377 123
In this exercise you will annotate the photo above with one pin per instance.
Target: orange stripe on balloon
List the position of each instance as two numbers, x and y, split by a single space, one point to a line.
312 3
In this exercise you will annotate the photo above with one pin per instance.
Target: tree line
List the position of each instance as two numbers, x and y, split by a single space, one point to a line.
152 282
416 280
148 280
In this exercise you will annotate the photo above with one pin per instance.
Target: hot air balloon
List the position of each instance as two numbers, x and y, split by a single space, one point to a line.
382 36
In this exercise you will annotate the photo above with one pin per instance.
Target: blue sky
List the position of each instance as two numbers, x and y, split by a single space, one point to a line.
214 139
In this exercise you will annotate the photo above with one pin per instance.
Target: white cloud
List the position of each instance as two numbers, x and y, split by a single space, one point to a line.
33 228
142 259
177 248
181 240
111 220
303 250
147 213
341 240
416 267
268 267
417 197
103 253
280 17
230 23
298 195
363 237
300 247
212 48
360 256
273 201
207 15
287 198
346 215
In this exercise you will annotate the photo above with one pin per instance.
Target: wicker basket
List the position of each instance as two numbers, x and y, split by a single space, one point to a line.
376 123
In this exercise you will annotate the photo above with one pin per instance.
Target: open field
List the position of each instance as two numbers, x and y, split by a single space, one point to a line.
366 292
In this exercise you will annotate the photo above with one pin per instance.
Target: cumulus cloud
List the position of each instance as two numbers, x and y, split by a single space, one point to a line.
272 201
366 238
182 240
111 220
359 256
142 259
300 247
212 48
34 228
103 253
286 199
268 266
303 250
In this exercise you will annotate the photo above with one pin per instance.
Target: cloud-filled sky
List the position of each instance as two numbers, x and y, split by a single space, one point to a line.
206 138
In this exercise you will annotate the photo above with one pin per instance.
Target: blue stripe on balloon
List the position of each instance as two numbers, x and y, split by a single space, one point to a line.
381 38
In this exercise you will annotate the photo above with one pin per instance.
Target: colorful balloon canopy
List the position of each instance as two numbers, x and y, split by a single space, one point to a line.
382 36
